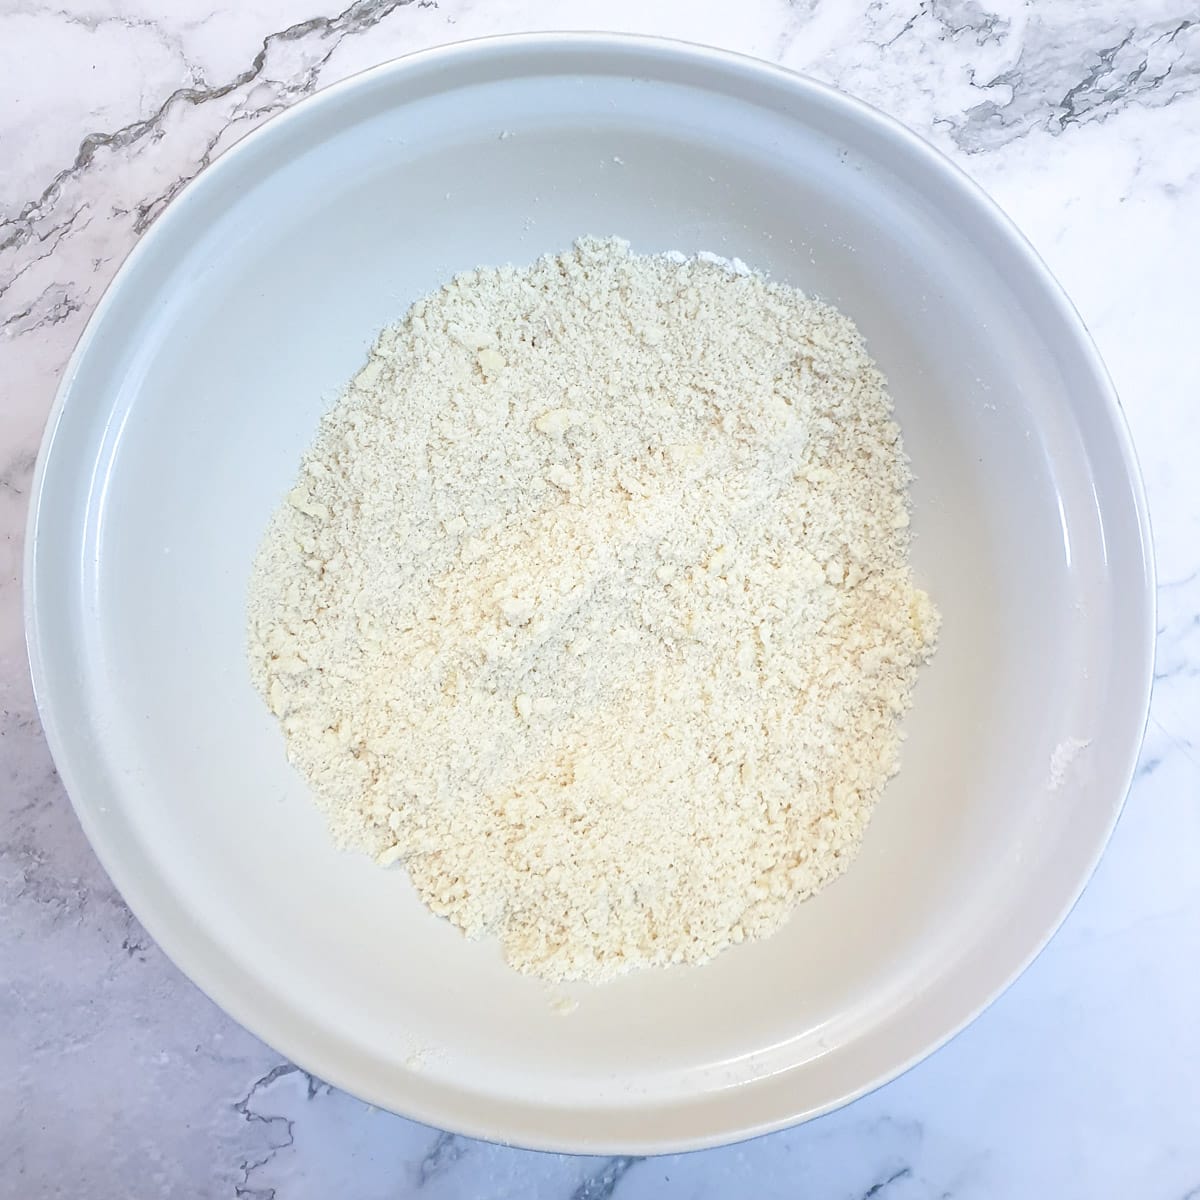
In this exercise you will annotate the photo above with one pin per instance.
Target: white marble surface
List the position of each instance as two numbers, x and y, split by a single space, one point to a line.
119 1078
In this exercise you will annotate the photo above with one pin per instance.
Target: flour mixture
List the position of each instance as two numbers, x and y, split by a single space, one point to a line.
592 606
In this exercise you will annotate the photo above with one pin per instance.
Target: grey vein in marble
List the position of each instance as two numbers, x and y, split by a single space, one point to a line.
1132 67
359 16
602 1184
280 1130
882 1186
446 1150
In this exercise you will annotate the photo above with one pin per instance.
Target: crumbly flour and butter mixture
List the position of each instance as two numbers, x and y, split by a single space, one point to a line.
592 606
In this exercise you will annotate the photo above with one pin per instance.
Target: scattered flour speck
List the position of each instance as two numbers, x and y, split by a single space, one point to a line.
1063 759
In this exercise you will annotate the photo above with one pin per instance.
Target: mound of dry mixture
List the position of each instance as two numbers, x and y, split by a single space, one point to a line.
592 606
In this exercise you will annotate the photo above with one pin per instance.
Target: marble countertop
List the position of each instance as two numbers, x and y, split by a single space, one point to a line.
121 1079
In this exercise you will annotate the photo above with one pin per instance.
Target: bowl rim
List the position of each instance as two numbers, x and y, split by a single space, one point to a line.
238 1002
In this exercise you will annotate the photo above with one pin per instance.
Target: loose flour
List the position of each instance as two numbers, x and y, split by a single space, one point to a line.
592 606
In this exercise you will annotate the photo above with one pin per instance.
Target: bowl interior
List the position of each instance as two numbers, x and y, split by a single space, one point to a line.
200 383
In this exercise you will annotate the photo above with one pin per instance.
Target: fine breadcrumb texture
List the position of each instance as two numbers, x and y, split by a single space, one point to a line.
592 606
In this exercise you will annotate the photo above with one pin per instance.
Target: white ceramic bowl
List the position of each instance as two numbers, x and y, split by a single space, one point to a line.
200 380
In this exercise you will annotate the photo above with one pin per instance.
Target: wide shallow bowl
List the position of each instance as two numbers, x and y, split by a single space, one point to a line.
199 382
